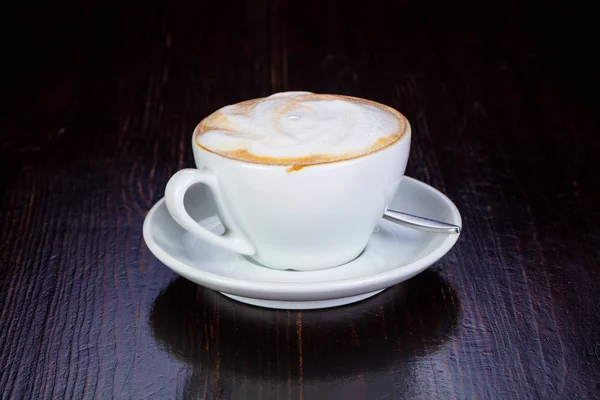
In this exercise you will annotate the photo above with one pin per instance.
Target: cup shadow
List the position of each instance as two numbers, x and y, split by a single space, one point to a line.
218 336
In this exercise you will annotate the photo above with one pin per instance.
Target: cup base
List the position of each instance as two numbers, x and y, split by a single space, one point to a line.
307 267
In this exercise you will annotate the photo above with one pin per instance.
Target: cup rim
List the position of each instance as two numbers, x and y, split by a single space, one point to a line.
406 133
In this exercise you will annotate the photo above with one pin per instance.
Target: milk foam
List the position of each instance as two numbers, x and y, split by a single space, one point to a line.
300 127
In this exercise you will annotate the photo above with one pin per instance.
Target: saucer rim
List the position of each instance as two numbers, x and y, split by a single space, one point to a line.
305 291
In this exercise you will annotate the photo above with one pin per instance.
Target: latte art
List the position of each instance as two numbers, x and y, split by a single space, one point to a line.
300 128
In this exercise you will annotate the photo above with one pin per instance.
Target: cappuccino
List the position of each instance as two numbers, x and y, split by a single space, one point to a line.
271 167
300 128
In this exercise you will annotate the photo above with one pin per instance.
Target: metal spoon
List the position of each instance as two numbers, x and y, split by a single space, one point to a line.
421 223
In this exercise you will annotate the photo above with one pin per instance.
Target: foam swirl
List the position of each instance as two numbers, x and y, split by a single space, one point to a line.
300 128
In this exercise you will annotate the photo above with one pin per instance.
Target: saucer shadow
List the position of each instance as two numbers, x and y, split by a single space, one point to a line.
236 342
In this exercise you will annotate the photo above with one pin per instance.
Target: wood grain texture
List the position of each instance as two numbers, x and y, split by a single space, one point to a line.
97 106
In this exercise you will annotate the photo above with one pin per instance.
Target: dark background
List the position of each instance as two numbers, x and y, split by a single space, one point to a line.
99 100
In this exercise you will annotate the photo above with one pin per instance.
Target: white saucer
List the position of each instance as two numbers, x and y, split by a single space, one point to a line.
394 254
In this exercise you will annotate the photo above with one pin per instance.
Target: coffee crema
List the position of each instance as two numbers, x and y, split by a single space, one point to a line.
300 129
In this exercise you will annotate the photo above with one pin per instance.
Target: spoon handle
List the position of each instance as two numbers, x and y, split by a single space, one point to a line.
422 223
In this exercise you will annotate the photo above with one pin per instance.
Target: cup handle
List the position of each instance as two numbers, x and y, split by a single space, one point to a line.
178 185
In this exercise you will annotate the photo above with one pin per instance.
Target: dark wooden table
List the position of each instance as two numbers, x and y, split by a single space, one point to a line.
98 102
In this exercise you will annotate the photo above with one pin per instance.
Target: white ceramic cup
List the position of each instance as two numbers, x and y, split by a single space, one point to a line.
317 217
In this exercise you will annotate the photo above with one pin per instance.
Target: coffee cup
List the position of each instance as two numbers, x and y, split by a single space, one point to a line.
299 179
